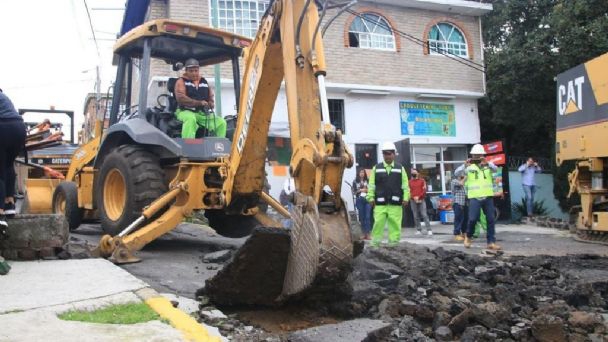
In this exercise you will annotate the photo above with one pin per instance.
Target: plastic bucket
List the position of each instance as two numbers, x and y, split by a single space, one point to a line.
445 202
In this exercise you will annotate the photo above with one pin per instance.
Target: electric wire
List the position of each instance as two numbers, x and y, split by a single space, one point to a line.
467 62
92 30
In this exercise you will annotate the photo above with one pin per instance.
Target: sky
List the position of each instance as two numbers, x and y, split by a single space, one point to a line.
49 57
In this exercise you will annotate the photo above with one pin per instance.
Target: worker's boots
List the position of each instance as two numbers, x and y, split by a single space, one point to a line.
467 242
459 237
494 247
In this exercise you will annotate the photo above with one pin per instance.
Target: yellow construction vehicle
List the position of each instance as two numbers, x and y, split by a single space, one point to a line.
582 126
143 179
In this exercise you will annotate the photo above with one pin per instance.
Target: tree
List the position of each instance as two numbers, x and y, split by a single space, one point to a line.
527 43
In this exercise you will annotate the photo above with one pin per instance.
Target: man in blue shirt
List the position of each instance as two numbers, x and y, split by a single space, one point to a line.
528 171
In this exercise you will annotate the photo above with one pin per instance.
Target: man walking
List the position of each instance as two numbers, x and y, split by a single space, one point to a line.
479 187
418 202
388 192
528 171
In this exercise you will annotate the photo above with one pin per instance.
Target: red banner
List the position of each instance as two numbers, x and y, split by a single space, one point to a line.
497 159
493 147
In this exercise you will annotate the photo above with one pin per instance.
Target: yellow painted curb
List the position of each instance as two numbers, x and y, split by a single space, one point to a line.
192 330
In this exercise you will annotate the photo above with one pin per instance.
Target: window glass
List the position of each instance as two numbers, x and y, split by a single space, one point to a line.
336 114
454 153
371 31
446 38
240 16
424 154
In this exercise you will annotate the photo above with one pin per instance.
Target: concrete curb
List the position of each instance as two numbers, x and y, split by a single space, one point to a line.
186 324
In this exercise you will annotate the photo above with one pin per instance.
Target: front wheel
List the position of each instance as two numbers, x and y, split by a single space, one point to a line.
65 201
130 178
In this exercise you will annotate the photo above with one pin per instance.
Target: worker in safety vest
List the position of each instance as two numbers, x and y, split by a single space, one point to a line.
388 192
480 192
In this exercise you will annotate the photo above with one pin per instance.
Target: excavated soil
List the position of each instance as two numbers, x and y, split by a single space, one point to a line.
448 295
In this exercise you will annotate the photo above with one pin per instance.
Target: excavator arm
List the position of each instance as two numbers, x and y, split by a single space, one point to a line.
319 246
286 49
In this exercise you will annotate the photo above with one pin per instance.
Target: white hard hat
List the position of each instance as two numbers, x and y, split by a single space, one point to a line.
478 149
388 146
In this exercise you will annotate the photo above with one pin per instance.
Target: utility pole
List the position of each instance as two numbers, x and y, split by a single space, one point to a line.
218 81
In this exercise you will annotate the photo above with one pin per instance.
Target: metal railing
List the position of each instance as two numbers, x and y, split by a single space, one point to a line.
514 162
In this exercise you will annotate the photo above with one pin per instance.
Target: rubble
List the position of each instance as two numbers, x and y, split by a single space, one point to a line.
448 295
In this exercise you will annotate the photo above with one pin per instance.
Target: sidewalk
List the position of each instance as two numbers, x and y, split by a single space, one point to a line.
34 292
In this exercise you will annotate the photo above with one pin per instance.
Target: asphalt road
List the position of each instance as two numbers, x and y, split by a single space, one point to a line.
173 263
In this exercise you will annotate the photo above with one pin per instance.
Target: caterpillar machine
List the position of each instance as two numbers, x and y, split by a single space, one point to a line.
142 179
582 125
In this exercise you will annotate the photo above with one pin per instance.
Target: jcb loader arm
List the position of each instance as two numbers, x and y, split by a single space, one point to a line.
320 250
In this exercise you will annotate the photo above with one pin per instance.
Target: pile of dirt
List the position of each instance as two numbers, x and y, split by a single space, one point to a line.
448 295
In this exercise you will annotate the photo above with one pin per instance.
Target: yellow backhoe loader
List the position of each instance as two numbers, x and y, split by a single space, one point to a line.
143 179
582 125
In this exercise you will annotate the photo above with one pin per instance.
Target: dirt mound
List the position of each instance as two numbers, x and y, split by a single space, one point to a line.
448 295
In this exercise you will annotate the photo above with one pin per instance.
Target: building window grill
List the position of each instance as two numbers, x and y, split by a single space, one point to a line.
371 31
445 38
239 16
336 114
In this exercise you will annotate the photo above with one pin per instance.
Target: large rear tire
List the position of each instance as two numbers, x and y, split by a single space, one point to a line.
65 201
130 178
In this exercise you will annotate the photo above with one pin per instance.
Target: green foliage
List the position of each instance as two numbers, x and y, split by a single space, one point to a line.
130 313
527 43
521 210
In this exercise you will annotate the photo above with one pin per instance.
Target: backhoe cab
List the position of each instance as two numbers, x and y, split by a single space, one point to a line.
143 179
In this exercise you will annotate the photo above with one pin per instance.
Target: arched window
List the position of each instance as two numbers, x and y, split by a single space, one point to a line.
239 16
446 38
371 31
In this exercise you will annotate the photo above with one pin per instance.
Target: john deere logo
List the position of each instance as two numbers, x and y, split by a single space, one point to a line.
219 147
570 96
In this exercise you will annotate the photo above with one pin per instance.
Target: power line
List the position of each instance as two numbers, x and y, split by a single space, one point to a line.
92 30
467 62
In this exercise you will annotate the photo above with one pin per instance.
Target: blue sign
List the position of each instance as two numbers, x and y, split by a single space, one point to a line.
427 119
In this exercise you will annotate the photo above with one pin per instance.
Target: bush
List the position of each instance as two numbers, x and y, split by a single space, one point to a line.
538 208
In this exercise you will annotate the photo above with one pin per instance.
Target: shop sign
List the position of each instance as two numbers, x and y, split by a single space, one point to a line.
427 119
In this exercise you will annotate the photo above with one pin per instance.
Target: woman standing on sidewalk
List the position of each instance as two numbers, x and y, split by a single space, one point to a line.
363 207
12 140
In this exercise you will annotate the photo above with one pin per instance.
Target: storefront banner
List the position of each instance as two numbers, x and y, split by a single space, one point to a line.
493 147
497 159
427 119
497 181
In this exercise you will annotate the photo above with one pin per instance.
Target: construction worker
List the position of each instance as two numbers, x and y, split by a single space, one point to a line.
195 98
388 191
480 191
12 141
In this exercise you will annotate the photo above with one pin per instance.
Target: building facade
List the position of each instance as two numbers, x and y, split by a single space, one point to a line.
396 69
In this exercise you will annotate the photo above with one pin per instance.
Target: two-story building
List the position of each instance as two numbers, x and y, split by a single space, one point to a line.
396 69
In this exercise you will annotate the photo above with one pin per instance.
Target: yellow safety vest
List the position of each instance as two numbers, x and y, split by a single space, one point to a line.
479 182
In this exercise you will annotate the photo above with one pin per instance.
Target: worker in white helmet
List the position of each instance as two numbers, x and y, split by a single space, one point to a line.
388 192
479 187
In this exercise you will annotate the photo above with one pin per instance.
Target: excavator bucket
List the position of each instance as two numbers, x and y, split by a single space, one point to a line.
274 264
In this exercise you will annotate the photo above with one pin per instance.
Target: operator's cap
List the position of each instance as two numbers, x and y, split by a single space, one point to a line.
191 62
